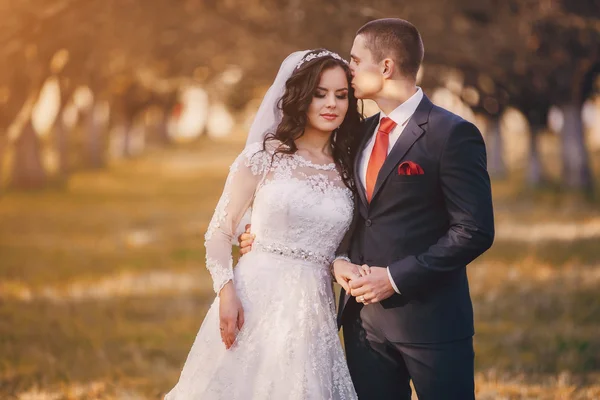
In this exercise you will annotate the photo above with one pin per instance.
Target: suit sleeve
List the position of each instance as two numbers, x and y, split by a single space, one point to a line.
466 189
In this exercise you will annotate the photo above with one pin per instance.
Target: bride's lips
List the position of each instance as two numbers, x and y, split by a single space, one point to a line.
329 117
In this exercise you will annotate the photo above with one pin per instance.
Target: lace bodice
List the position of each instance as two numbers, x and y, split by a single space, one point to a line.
298 207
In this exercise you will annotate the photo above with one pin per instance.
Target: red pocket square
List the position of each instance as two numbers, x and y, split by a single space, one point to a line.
410 168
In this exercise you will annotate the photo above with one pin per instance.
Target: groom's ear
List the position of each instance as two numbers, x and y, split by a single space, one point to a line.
388 67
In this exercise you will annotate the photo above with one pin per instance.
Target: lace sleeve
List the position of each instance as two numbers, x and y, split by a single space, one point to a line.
244 176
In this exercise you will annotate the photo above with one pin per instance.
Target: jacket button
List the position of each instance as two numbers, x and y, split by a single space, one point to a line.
368 222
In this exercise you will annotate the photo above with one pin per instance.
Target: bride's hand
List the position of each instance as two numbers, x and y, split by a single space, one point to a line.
364 270
231 314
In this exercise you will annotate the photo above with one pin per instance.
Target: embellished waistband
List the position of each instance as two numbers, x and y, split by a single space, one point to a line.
297 254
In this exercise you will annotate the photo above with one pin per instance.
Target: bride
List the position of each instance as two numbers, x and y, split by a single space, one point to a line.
271 331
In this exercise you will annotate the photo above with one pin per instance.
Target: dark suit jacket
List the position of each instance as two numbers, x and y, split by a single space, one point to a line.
426 228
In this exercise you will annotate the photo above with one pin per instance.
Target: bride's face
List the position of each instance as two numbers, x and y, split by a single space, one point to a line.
330 101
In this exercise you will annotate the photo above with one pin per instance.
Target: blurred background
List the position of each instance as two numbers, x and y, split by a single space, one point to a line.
118 120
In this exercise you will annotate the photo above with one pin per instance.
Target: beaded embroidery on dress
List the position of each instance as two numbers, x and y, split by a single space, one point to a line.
288 347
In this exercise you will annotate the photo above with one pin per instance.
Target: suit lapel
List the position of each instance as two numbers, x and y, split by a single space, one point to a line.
369 130
409 136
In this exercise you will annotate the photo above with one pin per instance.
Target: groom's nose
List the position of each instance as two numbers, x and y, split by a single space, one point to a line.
351 67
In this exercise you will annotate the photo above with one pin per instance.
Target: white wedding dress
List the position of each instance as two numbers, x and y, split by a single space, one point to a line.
288 348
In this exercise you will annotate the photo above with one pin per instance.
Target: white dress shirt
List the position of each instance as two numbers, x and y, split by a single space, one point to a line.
400 115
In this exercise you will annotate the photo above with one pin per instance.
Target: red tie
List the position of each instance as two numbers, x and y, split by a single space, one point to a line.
379 153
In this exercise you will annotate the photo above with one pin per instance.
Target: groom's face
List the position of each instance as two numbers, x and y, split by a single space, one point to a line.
367 74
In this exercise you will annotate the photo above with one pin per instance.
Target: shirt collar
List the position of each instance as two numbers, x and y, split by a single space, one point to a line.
405 110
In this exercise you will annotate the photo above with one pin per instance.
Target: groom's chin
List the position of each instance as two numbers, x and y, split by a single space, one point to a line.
361 95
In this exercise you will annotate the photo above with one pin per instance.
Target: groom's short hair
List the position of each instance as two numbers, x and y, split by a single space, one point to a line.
397 39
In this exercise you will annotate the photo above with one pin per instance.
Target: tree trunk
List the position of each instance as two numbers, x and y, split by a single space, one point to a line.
163 129
95 143
62 132
61 136
536 176
496 164
3 145
127 127
576 167
28 171
158 131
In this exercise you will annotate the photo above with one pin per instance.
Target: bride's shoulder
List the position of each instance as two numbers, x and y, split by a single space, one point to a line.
269 147
264 150
273 145
259 156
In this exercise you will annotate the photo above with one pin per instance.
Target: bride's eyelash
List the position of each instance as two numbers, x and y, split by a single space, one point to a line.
339 96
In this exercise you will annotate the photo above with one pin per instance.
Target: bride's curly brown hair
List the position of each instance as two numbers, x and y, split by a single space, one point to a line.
299 91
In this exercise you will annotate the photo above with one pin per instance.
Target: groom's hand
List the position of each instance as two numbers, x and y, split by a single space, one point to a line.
373 287
345 271
246 239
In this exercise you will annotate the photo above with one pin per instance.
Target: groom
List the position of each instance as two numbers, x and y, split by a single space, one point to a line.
424 211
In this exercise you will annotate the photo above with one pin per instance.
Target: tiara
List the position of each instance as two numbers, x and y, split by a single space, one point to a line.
323 53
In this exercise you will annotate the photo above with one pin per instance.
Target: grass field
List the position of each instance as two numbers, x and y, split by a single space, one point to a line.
103 288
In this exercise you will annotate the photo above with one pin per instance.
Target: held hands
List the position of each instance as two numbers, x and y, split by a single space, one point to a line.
231 314
345 271
373 287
